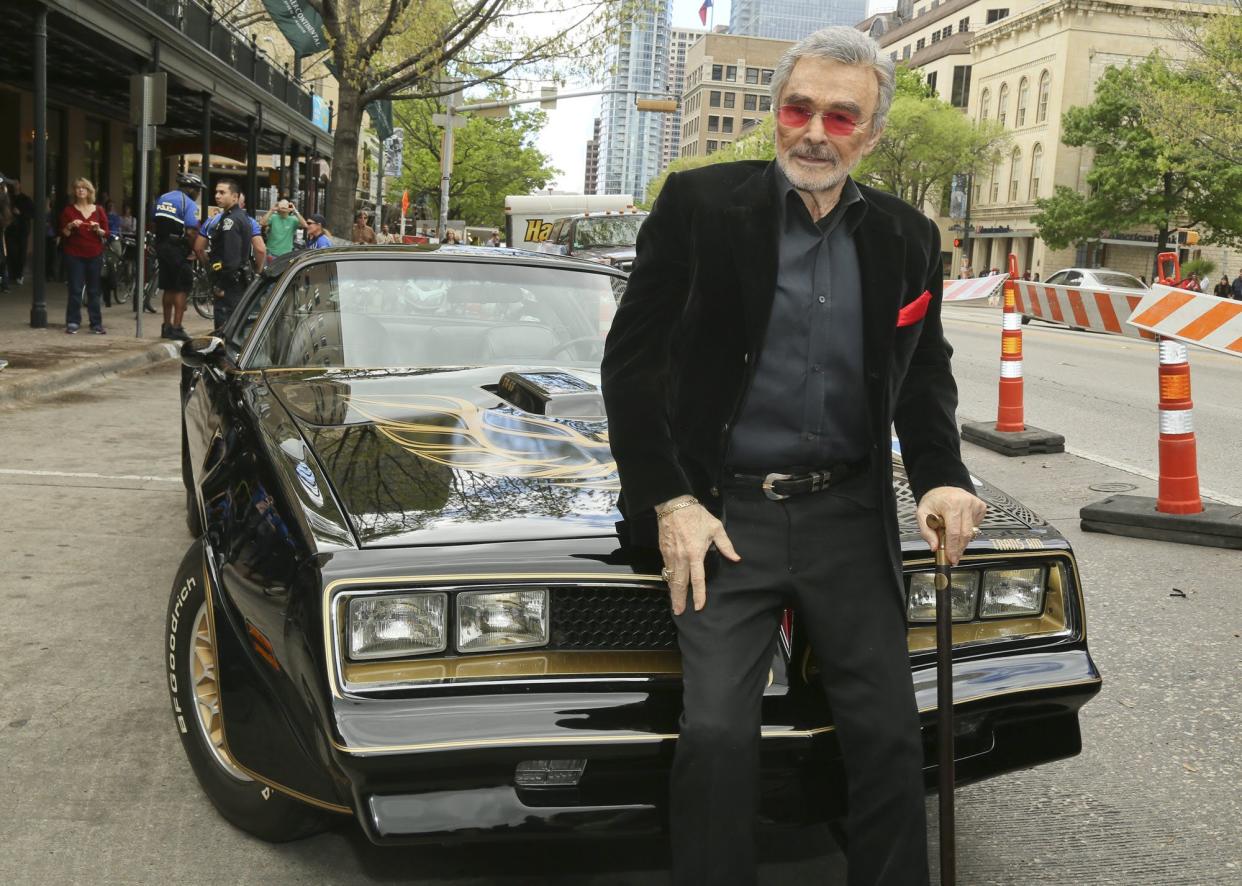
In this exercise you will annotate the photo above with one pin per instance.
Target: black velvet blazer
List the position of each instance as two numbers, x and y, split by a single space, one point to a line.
682 348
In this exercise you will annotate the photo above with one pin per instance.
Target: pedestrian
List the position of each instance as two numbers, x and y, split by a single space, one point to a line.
257 246
1223 289
494 240
721 371
281 221
450 237
1237 286
361 231
232 239
129 224
17 234
1026 275
317 236
1035 279
1191 284
176 226
83 229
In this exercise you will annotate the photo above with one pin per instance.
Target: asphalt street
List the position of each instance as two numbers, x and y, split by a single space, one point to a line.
99 792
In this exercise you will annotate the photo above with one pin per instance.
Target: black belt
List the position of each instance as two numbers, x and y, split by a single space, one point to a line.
778 487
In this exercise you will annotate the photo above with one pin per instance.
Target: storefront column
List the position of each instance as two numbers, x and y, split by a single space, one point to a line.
208 193
38 273
252 167
282 179
293 175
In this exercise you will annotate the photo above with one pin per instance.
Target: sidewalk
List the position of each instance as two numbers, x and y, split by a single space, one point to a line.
45 362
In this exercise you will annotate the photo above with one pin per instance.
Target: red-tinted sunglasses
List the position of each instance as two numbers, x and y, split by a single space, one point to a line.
835 122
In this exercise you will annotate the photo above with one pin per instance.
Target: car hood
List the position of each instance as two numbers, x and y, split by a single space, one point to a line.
608 254
441 456
438 456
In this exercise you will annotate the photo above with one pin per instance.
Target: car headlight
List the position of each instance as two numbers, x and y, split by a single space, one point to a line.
388 625
506 620
921 603
1012 592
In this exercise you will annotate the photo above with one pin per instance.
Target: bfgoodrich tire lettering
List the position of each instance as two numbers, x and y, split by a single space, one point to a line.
190 665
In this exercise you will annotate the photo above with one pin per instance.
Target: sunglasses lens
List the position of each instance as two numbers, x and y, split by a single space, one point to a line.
793 116
839 124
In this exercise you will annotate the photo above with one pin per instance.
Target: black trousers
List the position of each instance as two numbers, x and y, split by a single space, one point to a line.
825 553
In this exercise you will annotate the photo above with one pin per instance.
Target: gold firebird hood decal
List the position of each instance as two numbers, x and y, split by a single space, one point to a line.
498 441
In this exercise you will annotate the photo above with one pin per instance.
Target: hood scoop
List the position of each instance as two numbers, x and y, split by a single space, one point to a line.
553 393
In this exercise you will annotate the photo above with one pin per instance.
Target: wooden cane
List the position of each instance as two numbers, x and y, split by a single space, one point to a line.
944 701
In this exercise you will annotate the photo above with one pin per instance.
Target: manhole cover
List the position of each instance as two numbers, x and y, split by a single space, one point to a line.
1113 487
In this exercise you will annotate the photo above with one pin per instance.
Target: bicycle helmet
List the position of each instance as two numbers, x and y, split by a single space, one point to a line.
189 180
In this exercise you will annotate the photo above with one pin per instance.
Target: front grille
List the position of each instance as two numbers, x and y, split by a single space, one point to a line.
611 618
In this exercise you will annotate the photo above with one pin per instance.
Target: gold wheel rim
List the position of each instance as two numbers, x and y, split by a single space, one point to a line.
207 694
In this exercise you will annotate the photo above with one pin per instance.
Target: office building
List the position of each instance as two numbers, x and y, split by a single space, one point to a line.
590 183
727 90
791 19
681 41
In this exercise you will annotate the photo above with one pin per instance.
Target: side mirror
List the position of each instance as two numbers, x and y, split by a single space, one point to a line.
199 353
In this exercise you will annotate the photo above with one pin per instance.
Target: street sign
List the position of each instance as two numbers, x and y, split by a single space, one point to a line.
150 90
445 120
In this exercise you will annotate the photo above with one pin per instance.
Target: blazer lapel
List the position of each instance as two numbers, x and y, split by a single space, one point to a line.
881 265
751 228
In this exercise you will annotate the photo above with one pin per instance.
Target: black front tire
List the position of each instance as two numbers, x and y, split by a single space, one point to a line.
189 658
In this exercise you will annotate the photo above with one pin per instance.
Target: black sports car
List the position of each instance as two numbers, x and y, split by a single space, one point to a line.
406 600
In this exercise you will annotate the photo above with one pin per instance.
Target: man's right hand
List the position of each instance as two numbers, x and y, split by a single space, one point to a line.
685 536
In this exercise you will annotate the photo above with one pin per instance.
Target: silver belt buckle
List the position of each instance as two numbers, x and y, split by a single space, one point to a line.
771 493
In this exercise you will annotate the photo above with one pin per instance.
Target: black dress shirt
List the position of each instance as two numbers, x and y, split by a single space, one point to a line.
805 408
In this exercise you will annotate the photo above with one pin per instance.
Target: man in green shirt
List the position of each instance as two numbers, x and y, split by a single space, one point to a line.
280 223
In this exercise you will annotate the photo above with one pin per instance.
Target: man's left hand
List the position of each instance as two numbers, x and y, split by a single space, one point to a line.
961 512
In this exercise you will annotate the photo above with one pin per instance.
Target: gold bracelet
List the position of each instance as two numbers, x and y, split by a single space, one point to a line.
677 507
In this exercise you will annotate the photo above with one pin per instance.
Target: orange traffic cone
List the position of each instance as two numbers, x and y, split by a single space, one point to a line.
1009 403
1179 466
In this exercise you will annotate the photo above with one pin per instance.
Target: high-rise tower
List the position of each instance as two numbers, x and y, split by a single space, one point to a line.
792 19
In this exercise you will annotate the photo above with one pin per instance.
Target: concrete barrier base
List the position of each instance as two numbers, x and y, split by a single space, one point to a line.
1031 441
1216 526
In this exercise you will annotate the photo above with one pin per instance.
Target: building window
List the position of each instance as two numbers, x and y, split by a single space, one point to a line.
750 102
1015 173
935 36
731 73
717 72
765 77
964 25
931 81
713 123
711 146
960 97
730 99
1037 162
1024 95
995 183
920 44
1041 103
748 122
893 55
905 51
765 102
947 33
1001 100
727 123
752 76
713 98
985 105
995 15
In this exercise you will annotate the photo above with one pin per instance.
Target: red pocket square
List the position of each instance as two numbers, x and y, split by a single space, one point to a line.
913 312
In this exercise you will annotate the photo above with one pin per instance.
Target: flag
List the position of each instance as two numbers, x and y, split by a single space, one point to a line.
703 11
300 24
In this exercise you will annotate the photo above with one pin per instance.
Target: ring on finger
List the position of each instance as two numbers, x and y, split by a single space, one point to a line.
667 574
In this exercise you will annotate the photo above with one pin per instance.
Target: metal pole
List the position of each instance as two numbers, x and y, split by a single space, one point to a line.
446 172
294 182
144 146
379 192
38 303
252 166
966 246
206 149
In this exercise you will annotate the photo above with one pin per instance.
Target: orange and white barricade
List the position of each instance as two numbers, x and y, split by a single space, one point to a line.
1083 308
972 288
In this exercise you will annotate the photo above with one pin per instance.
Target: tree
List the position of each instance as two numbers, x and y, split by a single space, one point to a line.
493 156
925 142
1141 176
402 49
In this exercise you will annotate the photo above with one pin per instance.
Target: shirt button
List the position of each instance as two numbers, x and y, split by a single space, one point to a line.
822 299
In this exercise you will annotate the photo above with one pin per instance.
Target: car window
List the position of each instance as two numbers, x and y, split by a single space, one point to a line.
607 232
1057 278
1073 278
1117 279
401 313
248 312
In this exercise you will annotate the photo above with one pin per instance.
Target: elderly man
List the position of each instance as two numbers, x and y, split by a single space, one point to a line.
779 319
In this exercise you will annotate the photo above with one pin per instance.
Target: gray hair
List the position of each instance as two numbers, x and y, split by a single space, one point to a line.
841 44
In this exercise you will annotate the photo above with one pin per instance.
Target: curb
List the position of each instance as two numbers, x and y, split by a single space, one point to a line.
56 381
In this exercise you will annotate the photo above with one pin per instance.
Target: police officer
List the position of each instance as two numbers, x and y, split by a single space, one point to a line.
230 251
176 223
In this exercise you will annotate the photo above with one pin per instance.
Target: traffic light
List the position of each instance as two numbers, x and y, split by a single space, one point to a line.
664 105
1192 238
957 242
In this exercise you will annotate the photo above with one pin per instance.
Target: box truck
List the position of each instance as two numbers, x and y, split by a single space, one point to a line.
528 220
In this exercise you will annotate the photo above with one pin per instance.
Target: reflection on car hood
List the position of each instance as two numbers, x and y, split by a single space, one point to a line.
431 456
437 456
614 254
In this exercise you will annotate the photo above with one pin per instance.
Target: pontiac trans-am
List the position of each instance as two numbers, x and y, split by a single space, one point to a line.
406 600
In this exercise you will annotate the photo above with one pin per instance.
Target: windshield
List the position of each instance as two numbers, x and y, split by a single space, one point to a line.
615 231
1116 278
401 313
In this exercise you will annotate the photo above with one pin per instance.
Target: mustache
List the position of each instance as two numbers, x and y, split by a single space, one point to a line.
816 152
